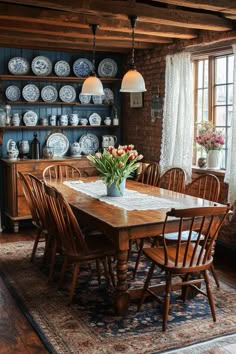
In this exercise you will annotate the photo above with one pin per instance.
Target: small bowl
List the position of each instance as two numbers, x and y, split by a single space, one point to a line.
84 121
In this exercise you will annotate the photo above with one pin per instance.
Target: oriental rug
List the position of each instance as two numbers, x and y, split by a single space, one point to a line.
89 325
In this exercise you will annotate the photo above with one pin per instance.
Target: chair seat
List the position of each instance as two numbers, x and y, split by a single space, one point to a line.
157 255
173 236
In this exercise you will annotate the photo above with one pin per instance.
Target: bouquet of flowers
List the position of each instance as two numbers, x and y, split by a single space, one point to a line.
115 165
209 137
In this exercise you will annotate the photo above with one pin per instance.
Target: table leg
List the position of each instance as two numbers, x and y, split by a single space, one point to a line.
121 297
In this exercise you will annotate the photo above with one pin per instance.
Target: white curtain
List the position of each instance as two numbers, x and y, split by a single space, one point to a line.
177 133
230 175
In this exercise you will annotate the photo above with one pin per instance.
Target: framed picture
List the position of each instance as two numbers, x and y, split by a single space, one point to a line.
136 99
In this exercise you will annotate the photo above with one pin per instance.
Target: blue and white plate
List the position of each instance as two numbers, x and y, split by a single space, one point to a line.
31 93
95 119
18 66
30 118
49 94
108 96
89 143
85 99
107 68
82 67
13 93
62 68
41 66
67 94
59 142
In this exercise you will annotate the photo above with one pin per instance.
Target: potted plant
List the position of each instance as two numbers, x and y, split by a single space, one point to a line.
212 140
115 166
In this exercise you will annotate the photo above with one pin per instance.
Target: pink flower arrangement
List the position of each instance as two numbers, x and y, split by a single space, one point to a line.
209 137
116 164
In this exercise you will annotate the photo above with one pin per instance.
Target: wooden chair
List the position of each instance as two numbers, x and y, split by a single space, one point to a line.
150 174
206 186
186 258
76 246
36 219
52 246
60 172
173 179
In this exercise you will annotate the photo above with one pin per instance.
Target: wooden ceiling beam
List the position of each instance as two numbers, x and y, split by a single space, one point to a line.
146 13
228 6
82 33
11 12
80 43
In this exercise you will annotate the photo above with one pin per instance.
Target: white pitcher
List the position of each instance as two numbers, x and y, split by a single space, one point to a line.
108 140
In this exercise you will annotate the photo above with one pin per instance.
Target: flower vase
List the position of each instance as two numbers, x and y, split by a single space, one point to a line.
114 191
214 159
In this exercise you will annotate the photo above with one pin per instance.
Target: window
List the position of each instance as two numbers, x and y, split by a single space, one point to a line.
214 95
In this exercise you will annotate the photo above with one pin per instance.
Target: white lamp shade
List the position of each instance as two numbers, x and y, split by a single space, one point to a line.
92 86
133 82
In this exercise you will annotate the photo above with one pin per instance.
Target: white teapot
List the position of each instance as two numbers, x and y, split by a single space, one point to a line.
76 149
108 140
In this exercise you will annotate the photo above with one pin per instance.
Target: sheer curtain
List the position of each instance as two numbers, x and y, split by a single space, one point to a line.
177 133
230 175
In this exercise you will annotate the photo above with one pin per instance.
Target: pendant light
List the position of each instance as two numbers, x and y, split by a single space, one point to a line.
133 80
92 85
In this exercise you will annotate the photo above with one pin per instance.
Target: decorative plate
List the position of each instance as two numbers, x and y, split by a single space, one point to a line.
18 66
108 96
49 93
30 118
67 93
95 119
13 93
97 99
59 142
85 99
82 67
89 143
62 68
31 93
41 66
107 68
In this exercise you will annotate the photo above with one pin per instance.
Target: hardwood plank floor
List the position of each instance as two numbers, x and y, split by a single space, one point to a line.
16 333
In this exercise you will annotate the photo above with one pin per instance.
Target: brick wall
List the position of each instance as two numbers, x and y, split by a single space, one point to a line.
137 127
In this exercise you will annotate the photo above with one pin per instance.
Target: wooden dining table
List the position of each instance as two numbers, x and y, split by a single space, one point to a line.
123 225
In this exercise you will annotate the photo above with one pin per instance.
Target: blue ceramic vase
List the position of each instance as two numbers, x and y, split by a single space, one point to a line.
114 191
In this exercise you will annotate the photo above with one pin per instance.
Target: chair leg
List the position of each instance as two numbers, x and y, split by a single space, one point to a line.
111 271
147 281
210 297
167 302
73 282
141 244
53 259
213 271
107 276
63 270
36 241
98 268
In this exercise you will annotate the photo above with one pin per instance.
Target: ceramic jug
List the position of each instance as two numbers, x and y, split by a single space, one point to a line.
74 119
76 149
108 140
15 121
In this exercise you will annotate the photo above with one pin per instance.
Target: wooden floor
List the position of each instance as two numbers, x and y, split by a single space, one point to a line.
17 335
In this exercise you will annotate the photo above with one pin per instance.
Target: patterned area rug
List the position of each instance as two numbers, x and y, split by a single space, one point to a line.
89 326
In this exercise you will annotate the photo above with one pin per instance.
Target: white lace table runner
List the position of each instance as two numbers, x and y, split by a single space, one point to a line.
131 200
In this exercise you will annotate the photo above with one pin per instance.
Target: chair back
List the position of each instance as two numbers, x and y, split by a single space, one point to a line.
68 230
30 197
60 172
205 222
150 175
40 202
206 186
173 179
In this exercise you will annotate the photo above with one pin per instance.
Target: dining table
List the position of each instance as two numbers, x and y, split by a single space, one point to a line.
140 213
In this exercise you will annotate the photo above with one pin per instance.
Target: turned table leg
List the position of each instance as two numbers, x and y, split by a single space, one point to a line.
121 297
